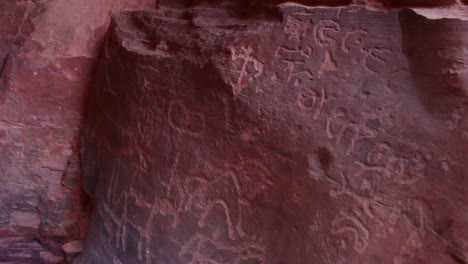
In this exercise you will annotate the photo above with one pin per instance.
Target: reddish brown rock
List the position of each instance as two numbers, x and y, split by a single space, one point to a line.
315 137
47 52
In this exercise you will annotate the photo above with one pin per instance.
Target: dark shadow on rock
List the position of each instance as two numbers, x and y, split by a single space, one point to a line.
437 56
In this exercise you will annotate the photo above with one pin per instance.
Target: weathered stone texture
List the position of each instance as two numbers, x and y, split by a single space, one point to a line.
47 52
322 136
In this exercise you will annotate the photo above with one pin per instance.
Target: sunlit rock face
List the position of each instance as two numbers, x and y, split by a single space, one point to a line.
291 136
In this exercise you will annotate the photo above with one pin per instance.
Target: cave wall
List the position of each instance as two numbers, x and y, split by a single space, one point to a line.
324 135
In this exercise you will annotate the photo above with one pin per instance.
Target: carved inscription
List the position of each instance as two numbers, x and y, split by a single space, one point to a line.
350 222
311 100
325 32
199 248
353 40
346 129
328 64
247 67
206 193
296 26
375 58
186 120
295 61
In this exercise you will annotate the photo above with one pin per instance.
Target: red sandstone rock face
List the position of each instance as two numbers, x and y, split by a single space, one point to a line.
47 52
328 136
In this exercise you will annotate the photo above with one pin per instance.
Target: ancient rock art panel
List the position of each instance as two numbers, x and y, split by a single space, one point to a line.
328 64
199 249
207 191
311 100
350 222
297 25
295 61
326 31
376 58
404 168
117 224
346 129
185 120
214 208
250 68
410 168
353 40
382 208
418 217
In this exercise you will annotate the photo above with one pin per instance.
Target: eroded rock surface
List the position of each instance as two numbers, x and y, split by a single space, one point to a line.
321 136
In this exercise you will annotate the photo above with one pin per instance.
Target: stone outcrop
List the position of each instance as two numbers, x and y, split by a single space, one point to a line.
305 135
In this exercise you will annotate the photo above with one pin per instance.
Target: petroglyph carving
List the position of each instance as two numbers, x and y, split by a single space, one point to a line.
294 55
250 68
376 58
296 71
228 189
363 182
409 169
311 100
417 213
328 64
218 203
295 60
297 26
353 40
346 130
335 250
404 169
385 219
350 223
410 249
144 91
336 122
418 217
159 206
308 99
218 191
248 172
325 32
186 120
120 224
199 246
379 155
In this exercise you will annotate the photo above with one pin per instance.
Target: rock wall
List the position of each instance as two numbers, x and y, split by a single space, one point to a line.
216 134
47 52
322 135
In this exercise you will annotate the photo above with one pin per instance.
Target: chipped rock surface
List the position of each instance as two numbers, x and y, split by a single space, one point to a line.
317 135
